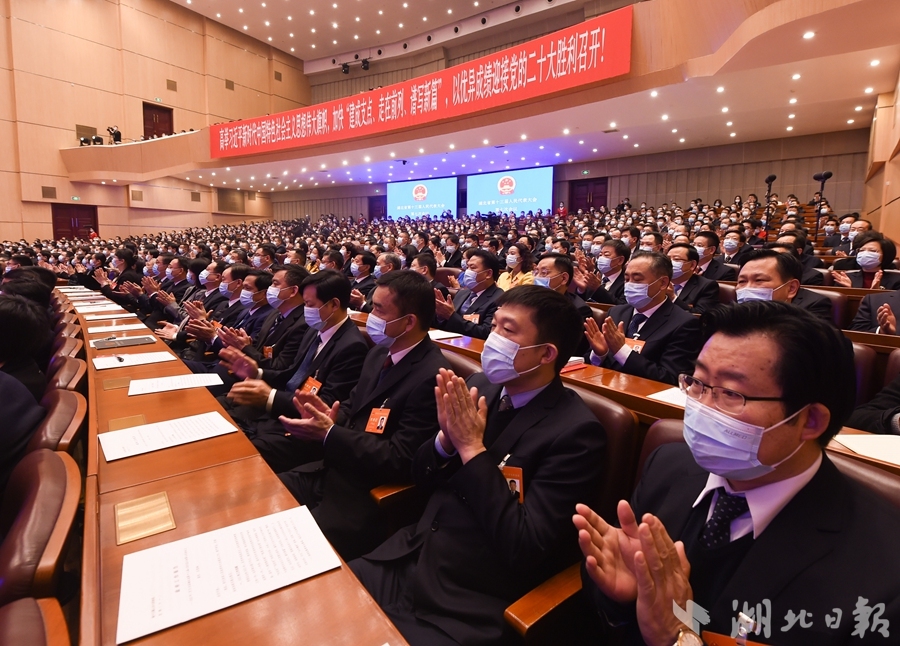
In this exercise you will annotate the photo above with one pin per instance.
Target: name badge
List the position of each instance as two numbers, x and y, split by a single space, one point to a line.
378 420
311 386
636 345
267 352
515 482
473 318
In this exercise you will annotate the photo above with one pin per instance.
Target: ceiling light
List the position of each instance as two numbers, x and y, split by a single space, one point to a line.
452 146
267 23
292 49
581 142
377 31
681 140
357 19
242 11
595 150
270 39
612 124
674 130
795 77
313 45
792 101
485 142
570 159
291 35
541 147
401 25
476 3
218 15
380 12
875 63
636 145
334 24
791 116
355 36
789 128
421 150
665 117
733 134
724 109
424 18
869 90
566 131
729 123
312 12
524 137
334 5
289 18
365 159
473 156
557 154
449 10
392 154
654 94
849 120
334 41
858 108
809 34
245 27
624 136
720 89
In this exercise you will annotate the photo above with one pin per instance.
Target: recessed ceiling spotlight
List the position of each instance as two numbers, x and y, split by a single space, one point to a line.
595 150
724 109
245 27
875 63
581 142
473 156
322 166
789 128
218 15
424 18
357 19
334 41
733 134
612 124
792 101
858 108
654 94
313 45
681 140
570 159
565 131
377 31
728 123
485 142
849 120
636 145
791 116
624 136
289 18
674 130
270 39
557 154
312 12
449 10
809 34
524 137
869 90
334 24
541 147
364 159
796 77
421 150
452 146
242 11
665 117
292 49
392 154
380 12
291 35
401 25
267 23
355 36
720 89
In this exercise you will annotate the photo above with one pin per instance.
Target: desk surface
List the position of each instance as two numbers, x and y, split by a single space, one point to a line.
331 608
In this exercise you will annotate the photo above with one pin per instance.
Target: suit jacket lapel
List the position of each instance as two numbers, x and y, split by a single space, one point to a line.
656 321
795 539
531 415
460 298
329 347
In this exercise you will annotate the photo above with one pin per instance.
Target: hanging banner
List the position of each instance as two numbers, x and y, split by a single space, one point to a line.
586 53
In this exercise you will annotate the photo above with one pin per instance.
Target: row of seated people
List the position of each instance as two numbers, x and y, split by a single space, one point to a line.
40 484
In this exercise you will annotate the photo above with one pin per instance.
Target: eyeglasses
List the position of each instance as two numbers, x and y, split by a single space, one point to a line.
726 400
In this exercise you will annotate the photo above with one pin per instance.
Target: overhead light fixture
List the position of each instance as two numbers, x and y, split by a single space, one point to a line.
565 131
681 140
789 128
524 137
796 77
858 108
808 35
612 124
654 94
720 89
724 109
875 63
869 90
791 116
792 101
345 68
849 120
665 117
733 134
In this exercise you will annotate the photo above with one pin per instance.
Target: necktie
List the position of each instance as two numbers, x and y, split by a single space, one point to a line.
498 420
275 324
388 364
717 531
678 289
303 371
604 282
727 259
636 321
505 403
468 303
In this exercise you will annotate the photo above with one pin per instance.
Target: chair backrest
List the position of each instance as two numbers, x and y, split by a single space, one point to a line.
827 277
70 347
881 482
36 516
864 363
893 367
621 426
662 431
69 329
461 365
63 424
838 305
736 267
67 373
35 622
727 293
443 275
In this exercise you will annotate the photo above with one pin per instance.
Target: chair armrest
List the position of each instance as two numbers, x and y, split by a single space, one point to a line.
392 494
523 614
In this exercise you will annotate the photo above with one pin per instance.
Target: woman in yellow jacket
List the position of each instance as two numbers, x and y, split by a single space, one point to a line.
519 263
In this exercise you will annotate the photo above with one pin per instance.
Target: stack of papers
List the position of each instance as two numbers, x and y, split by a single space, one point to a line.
177 382
672 396
162 435
126 360
90 309
878 447
132 340
175 582
437 335
105 329
109 317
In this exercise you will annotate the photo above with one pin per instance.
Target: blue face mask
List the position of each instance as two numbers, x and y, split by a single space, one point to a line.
223 289
168 272
469 279
377 271
190 278
314 318
375 328
204 277
247 298
498 357
636 294
869 260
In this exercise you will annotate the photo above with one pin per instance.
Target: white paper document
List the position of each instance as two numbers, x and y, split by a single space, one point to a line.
878 447
72 289
146 337
90 309
106 329
162 435
437 335
670 396
177 382
172 583
110 317
126 360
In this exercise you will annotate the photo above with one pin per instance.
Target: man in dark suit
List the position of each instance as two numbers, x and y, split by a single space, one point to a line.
877 313
201 326
649 336
611 266
734 248
171 290
845 241
707 245
21 415
396 382
386 263
472 309
452 252
882 414
688 291
426 265
771 275
808 276
764 524
328 361
24 328
361 269
832 235
478 547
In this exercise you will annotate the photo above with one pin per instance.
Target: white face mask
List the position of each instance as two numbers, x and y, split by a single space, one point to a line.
745 294
498 357
727 446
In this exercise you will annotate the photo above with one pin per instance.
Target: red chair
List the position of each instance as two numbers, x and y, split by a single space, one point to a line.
66 373
33 622
64 423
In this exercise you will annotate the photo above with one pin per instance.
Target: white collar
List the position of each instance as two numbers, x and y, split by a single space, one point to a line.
649 313
767 501
397 357
521 399
327 334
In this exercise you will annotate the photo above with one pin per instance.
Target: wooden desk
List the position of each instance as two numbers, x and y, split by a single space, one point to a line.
884 345
331 608
843 450
628 390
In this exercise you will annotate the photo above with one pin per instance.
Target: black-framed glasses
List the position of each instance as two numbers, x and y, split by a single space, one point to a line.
725 399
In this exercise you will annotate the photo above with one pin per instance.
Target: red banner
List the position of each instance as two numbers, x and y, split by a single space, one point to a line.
592 51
